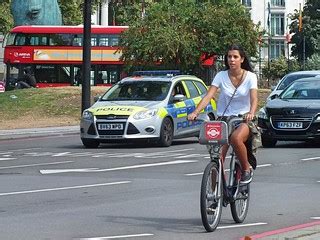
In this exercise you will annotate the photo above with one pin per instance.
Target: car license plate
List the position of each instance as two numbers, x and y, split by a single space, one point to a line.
290 124
110 126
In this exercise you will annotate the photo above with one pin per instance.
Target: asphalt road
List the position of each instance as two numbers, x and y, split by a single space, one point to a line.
53 188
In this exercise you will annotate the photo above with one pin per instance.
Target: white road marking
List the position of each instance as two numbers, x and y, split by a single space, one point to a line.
61 154
310 159
147 155
6 159
50 171
226 170
242 225
315 218
264 165
64 188
19 150
189 155
120 236
193 174
37 164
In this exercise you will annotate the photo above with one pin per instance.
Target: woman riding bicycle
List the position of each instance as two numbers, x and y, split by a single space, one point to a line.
238 95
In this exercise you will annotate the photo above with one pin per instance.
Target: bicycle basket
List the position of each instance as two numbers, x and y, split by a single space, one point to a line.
213 132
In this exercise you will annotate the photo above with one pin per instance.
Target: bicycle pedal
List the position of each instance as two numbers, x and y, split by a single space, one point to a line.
225 203
211 211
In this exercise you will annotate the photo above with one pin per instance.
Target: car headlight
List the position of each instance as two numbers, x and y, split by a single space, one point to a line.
87 115
262 114
318 119
145 114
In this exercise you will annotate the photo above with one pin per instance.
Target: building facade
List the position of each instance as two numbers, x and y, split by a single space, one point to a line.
273 16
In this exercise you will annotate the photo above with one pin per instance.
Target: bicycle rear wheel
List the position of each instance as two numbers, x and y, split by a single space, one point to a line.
240 205
210 200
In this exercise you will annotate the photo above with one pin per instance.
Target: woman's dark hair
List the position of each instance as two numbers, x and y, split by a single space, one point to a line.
245 65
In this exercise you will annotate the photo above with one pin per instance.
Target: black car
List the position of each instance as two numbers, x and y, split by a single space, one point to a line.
293 115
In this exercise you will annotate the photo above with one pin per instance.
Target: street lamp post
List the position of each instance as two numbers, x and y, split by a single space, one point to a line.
86 56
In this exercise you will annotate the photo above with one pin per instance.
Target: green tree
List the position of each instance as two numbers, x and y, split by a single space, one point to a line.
6 21
175 34
313 63
278 68
310 30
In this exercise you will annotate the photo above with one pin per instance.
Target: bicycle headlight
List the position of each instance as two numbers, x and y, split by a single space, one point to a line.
262 114
145 114
87 115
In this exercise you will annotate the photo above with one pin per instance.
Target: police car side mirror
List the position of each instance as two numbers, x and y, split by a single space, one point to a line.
274 96
96 98
178 98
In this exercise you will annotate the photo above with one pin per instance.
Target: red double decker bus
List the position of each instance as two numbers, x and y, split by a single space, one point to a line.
54 54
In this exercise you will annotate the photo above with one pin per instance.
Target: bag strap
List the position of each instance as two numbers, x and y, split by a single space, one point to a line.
234 92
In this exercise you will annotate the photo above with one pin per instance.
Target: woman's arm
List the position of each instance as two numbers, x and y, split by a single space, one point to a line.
203 103
253 104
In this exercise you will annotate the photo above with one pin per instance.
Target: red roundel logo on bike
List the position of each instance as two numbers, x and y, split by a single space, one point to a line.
213 131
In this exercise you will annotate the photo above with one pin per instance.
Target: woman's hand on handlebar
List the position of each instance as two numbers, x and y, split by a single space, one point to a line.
192 116
249 117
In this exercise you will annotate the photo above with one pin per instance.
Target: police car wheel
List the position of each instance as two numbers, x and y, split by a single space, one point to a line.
90 143
166 133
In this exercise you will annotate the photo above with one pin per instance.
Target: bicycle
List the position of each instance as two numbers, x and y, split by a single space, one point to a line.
216 190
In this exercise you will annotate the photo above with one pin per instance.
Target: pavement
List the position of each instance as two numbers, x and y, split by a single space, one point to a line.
306 231
38 132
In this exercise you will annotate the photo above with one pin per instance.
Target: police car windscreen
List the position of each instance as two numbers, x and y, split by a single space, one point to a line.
138 91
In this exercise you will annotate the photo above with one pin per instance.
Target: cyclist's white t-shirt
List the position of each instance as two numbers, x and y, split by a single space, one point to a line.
240 103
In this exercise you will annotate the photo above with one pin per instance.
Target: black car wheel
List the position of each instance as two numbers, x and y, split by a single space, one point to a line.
166 134
268 142
90 143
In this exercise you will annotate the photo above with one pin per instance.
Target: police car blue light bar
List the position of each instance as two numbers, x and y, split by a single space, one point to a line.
168 73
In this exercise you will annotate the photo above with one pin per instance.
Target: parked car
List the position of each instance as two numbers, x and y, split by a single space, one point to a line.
293 115
289 78
150 108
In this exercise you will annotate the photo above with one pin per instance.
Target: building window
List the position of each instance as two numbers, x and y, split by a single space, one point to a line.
246 3
277 24
277 49
278 3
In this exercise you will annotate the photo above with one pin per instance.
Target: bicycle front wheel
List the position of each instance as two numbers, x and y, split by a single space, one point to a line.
211 197
240 204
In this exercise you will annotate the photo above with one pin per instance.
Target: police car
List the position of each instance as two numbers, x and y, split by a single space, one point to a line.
146 108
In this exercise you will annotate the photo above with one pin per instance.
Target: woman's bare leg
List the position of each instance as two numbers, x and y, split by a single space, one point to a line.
238 139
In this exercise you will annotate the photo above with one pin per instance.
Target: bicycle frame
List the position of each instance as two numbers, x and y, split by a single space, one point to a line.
215 152
225 191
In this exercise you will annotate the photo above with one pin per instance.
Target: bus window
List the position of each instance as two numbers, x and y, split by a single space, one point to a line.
9 40
38 40
104 40
114 41
93 40
77 40
113 77
20 40
60 39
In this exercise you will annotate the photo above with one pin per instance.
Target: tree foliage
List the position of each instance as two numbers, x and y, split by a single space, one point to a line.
310 30
176 33
313 63
6 21
278 68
